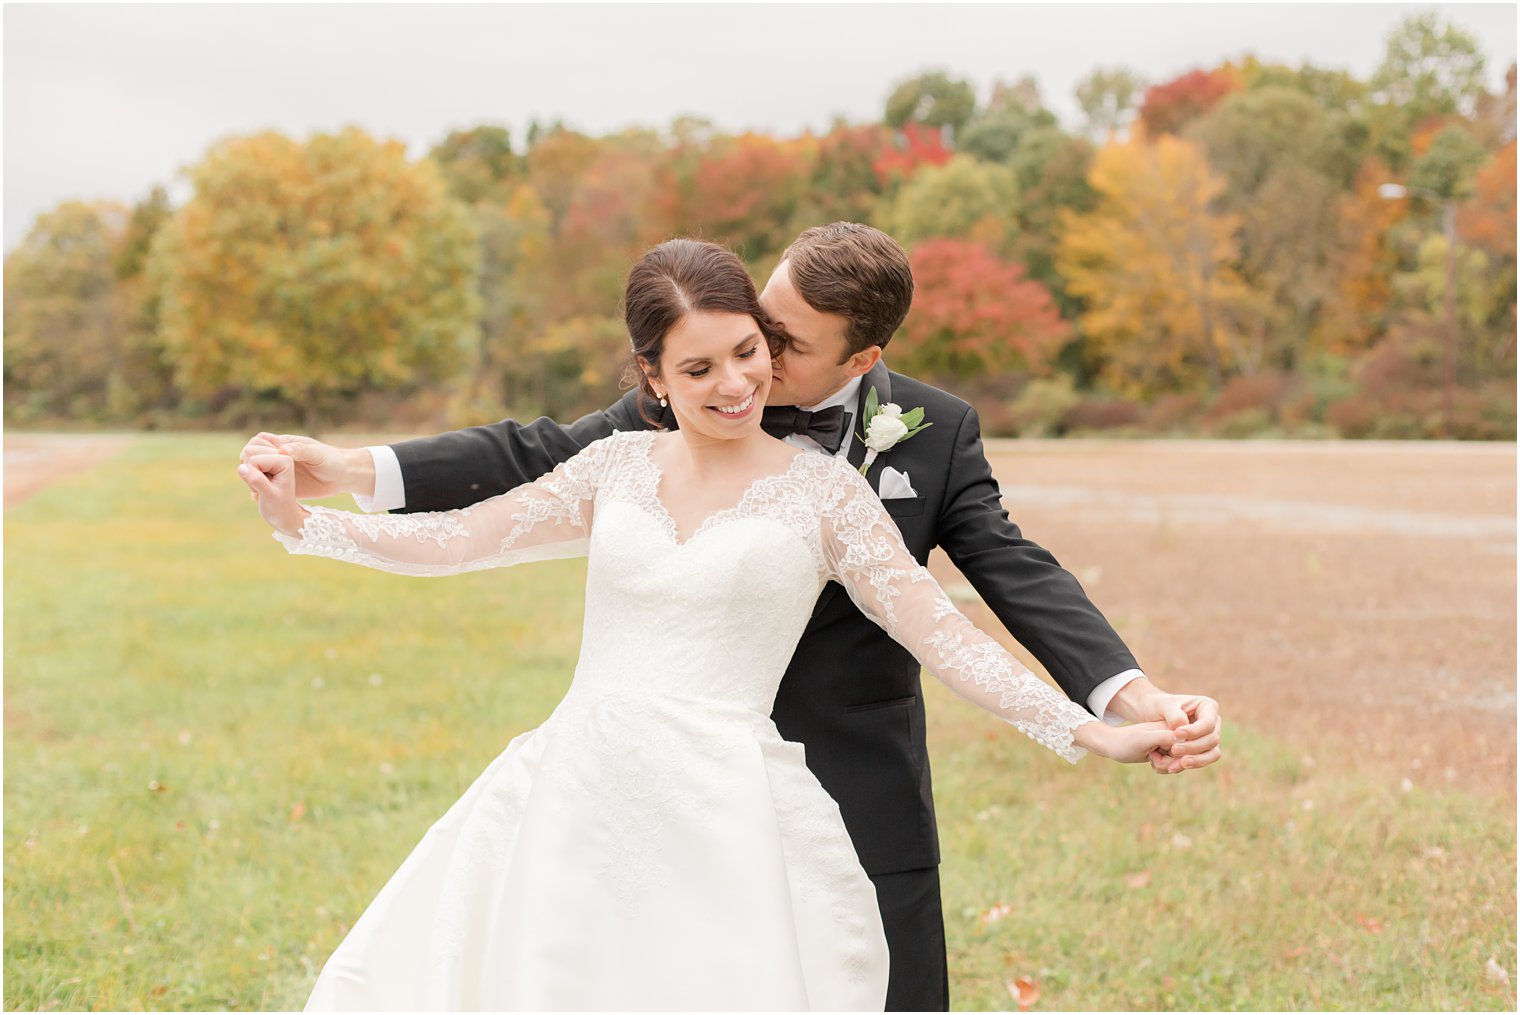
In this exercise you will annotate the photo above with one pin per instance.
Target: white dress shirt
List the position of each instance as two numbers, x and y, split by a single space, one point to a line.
390 494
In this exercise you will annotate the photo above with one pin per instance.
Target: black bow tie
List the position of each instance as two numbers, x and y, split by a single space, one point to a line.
826 426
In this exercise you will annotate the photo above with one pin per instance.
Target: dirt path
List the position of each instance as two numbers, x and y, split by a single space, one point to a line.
32 461
1358 600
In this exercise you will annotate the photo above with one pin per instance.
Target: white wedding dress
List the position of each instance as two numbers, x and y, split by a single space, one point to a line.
656 844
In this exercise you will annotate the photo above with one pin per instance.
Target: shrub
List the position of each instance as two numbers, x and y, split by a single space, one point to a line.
1173 413
1263 392
1040 409
1102 414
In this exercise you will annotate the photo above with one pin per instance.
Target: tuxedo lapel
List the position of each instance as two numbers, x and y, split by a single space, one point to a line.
880 378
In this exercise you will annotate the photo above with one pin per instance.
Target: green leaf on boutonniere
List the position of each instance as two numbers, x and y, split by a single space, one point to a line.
873 405
912 419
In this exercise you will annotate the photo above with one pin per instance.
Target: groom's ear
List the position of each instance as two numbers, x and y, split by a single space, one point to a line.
863 361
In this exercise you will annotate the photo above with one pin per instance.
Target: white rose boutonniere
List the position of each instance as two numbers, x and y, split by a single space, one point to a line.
887 426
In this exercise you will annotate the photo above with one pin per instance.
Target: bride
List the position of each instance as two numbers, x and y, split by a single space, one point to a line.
656 844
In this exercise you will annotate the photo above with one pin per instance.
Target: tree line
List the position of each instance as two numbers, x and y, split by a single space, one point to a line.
1245 249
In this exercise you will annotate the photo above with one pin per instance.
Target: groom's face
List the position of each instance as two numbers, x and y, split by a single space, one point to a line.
816 361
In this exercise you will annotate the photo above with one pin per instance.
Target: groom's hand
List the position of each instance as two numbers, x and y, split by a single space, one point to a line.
321 469
1193 717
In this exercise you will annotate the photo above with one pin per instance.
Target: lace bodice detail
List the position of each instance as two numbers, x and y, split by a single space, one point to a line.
720 613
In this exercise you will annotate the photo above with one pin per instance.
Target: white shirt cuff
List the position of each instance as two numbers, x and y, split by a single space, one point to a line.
1101 695
390 493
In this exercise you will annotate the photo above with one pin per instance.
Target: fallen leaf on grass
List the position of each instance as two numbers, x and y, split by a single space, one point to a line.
1138 880
158 990
995 914
1496 972
1369 923
1180 841
1294 953
297 811
1024 991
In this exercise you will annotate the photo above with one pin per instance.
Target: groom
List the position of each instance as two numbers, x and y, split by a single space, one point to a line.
851 694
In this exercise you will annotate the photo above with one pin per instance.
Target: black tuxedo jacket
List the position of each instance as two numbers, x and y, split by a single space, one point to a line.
851 695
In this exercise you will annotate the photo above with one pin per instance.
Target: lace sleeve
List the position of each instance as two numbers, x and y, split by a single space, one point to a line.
865 553
542 520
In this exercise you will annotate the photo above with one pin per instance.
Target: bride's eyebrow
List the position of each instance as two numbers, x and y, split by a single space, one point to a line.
693 360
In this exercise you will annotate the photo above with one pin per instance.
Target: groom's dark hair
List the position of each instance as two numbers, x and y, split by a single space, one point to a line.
857 272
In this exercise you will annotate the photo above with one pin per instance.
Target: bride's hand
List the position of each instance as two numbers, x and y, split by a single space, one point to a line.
272 478
1130 744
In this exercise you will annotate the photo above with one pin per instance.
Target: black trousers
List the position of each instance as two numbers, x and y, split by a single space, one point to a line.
914 920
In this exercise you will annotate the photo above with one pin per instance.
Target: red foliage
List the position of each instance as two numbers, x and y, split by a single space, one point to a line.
918 146
1264 391
1172 105
973 312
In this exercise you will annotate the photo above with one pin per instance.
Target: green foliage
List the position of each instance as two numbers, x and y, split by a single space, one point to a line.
962 198
934 99
1041 407
316 271
1429 68
63 335
479 163
1107 97
1448 168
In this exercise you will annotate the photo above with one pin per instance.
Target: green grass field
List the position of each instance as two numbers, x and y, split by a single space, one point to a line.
215 754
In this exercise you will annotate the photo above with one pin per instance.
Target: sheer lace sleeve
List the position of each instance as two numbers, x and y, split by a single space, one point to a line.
865 553
542 520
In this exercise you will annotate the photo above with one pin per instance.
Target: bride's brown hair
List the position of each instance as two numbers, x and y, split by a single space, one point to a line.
677 278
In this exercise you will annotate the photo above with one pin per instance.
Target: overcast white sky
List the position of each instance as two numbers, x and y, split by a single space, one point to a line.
105 101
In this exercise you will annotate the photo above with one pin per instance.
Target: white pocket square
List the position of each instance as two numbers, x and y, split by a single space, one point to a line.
895 485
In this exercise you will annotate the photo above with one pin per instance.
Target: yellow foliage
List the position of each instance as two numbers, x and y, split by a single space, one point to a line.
1153 264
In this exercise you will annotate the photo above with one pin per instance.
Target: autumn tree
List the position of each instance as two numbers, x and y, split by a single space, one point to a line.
1107 97
963 198
913 148
1359 277
745 192
1172 105
1050 172
1429 69
1280 159
843 182
975 314
1165 309
147 375
313 272
64 332
478 164
933 100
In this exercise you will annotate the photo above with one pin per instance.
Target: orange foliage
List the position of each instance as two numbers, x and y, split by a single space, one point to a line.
1488 220
975 313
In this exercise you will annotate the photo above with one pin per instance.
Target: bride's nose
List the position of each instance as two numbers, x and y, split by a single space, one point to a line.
733 382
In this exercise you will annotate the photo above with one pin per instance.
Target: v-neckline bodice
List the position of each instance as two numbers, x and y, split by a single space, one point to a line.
667 520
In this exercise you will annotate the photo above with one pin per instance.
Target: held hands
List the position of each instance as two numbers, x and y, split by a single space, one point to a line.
272 480
1194 718
321 470
1127 744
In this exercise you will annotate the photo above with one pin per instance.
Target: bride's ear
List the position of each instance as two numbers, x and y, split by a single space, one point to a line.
648 374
